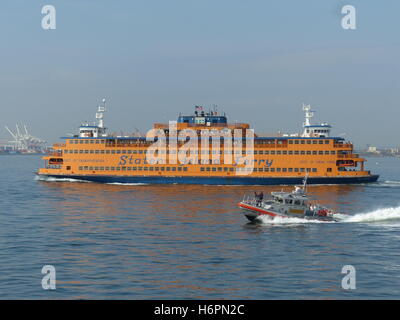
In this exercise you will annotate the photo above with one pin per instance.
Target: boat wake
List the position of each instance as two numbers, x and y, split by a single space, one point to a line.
127 184
384 214
52 179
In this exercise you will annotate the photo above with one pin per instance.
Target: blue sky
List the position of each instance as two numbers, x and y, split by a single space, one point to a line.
258 60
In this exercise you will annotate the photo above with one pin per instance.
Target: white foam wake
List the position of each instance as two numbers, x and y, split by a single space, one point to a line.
383 214
373 216
127 184
53 179
287 221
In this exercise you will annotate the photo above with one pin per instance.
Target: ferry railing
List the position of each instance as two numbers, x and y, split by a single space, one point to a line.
342 145
348 156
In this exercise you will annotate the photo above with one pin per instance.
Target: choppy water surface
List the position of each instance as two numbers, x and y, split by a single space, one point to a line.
177 241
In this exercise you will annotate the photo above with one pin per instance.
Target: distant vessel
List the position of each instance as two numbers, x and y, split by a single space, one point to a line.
95 155
295 204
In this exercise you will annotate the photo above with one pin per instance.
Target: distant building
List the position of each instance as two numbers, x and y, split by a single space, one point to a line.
373 150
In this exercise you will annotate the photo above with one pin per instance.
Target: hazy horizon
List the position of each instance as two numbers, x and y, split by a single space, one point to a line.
259 61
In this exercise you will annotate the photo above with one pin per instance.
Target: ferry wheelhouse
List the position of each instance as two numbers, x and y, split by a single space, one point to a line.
94 155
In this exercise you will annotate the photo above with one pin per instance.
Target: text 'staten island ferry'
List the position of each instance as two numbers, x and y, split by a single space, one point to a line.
95 155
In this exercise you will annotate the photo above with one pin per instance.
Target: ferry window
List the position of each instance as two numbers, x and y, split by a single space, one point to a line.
296 152
118 168
326 152
71 141
303 141
118 152
314 152
296 169
314 142
231 169
129 168
81 151
297 202
308 170
80 168
151 168
97 151
91 151
202 169
290 169
272 169
302 152
90 168
296 141
290 141
140 151
112 168
145 168
272 152
333 152
107 151
112 151
123 168
140 168
86 168
102 151
86 141
308 141
284 169
168 168
134 168
302 169
185 169
214 169
255 152
97 141
290 152
173 168
91 141
156 168
226 169
134 151
75 151
162 168
329 169
219 168
326 141
278 169
208 169
266 169
65 151
284 152
68 167
255 169
314 170
278 152
308 152
266 152
260 152
76 141
320 152
179 168
321 141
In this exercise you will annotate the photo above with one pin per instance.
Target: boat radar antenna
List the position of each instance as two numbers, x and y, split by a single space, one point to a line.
309 114
100 113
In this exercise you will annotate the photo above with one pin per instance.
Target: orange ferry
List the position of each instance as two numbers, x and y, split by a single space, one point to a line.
94 155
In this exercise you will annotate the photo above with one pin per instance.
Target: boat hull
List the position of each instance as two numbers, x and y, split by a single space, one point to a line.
253 213
239 180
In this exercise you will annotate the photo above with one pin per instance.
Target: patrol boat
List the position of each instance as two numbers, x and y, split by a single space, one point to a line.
285 204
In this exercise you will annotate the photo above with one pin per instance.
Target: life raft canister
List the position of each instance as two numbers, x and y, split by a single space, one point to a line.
322 213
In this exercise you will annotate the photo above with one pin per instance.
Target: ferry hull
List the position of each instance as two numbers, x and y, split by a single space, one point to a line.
216 180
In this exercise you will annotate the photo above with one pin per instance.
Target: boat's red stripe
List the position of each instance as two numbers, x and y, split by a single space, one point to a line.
242 205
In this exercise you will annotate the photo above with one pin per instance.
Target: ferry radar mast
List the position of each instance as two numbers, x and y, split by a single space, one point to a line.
314 130
97 130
